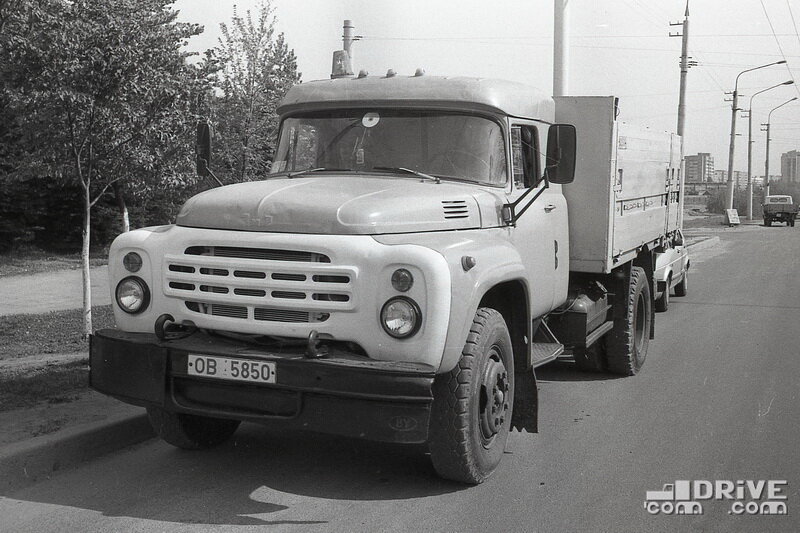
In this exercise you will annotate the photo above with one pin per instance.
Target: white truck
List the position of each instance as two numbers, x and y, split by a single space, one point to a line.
419 249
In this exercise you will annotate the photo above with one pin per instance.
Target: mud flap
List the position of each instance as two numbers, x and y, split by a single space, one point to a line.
526 403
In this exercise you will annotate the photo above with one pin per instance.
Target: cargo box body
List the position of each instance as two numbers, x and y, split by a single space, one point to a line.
628 185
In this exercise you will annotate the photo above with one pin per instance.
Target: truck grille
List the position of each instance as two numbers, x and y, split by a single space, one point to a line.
259 284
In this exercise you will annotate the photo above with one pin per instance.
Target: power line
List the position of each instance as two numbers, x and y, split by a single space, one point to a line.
778 42
793 21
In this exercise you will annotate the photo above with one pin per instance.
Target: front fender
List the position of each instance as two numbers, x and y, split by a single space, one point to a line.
496 261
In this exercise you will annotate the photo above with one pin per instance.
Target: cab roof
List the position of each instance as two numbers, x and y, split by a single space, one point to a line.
479 94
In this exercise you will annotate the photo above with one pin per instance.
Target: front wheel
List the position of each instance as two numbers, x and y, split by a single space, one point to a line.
682 288
190 432
662 304
473 404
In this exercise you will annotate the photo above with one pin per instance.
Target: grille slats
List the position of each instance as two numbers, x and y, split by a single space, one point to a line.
266 254
258 284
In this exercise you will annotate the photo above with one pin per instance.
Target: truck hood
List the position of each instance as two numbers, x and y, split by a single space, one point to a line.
339 205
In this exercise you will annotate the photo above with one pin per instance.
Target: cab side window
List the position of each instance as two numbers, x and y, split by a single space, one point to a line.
525 160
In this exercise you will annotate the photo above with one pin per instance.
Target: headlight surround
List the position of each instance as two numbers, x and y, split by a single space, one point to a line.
401 317
132 262
133 295
402 280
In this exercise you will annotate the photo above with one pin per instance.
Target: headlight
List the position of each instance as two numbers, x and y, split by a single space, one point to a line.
400 317
133 296
132 262
402 280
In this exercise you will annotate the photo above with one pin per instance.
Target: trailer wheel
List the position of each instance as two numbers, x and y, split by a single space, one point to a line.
473 404
190 432
626 344
662 304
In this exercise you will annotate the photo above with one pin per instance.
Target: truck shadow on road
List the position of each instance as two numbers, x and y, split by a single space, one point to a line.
566 371
260 477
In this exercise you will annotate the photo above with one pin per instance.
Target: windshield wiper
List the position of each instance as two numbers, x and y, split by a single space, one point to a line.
409 171
293 174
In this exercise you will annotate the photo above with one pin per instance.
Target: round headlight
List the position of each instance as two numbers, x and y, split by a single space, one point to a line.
402 280
400 317
133 296
132 262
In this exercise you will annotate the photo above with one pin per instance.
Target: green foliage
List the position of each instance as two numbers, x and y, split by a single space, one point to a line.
255 69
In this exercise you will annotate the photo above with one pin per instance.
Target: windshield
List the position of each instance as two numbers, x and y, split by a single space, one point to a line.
441 144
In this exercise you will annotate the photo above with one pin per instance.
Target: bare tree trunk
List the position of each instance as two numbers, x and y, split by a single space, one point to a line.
122 206
87 282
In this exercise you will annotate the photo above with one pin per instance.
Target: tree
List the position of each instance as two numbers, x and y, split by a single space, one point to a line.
256 68
95 79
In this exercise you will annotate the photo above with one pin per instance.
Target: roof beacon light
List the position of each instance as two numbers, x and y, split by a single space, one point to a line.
391 73
420 72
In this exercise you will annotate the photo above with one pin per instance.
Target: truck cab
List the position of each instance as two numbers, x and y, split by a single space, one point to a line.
397 276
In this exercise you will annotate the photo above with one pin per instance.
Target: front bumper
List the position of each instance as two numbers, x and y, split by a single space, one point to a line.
342 394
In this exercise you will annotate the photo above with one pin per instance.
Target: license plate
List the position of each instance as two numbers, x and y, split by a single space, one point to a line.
209 366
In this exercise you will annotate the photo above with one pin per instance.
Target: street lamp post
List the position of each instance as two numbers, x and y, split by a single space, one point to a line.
766 160
750 147
734 109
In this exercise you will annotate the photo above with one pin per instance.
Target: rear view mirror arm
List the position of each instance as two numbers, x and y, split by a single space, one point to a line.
510 214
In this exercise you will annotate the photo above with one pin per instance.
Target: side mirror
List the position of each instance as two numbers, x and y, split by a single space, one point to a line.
203 148
561 144
678 240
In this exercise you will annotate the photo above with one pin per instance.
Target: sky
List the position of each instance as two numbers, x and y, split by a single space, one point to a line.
616 47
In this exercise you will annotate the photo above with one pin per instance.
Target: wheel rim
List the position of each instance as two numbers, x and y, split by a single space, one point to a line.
639 326
494 397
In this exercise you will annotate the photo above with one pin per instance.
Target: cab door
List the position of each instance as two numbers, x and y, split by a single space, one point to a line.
540 234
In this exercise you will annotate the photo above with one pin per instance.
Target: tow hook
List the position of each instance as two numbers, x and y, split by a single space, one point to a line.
314 350
167 330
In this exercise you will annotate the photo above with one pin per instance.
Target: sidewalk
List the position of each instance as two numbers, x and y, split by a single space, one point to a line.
51 291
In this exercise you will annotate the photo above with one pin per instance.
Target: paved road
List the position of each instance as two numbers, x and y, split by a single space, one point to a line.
717 400
51 291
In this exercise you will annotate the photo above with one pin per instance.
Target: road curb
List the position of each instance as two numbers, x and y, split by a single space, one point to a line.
703 244
27 462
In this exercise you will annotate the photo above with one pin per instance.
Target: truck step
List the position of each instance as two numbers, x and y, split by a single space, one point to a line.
544 352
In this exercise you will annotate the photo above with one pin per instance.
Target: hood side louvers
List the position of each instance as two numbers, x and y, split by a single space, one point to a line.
455 209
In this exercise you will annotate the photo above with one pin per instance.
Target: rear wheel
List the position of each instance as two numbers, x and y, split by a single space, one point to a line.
682 288
626 344
473 404
662 304
767 221
190 432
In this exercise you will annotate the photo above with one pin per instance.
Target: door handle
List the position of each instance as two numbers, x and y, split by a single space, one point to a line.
548 208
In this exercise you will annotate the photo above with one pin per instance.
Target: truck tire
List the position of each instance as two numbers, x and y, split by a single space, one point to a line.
662 304
190 432
682 288
473 404
767 222
626 344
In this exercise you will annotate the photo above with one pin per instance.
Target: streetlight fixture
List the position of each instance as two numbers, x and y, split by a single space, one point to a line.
734 109
766 161
750 147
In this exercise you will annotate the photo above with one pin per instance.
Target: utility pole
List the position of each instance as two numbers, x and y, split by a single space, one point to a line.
560 48
734 109
766 161
685 64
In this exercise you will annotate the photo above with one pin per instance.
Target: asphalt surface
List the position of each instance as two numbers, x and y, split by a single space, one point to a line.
51 291
716 400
